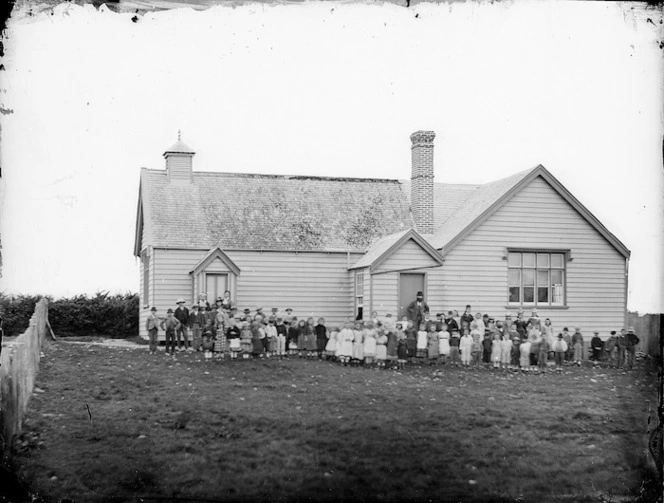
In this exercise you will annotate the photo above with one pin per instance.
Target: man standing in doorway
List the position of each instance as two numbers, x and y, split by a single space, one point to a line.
416 309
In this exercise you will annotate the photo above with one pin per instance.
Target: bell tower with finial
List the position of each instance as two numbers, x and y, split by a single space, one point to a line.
179 161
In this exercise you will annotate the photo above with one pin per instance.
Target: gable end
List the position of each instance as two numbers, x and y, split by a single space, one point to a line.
539 171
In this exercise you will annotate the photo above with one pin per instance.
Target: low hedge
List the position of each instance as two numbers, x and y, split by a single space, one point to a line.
102 314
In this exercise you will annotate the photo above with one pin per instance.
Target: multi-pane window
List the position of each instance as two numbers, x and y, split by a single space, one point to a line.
359 292
536 278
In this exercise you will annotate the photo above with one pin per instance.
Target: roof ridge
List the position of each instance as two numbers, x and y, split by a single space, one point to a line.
230 174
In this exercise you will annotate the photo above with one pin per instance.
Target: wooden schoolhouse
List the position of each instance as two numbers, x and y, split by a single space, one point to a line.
340 248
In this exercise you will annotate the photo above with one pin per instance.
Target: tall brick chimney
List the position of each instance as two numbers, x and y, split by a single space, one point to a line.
421 181
179 161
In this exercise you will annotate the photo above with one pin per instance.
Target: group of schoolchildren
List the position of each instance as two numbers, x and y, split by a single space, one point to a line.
471 341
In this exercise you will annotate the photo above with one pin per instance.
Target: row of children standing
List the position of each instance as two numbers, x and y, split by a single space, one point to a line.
219 330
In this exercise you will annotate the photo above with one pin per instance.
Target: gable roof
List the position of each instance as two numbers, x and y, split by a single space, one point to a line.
211 256
383 247
488 198
268 212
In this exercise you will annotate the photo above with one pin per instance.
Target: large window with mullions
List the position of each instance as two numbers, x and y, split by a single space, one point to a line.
536 278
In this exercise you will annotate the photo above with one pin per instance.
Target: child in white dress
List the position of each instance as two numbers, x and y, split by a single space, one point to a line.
444 341
505 351
345 347
465 348
332 342
422 341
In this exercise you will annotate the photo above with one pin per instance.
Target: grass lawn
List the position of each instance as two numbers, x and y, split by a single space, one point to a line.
309 431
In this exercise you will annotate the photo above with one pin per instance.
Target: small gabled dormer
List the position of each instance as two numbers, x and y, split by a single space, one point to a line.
179 161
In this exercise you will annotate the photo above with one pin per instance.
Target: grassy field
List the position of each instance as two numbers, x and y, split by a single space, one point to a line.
310 431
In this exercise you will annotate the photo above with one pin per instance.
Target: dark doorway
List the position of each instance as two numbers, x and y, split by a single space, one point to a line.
409 285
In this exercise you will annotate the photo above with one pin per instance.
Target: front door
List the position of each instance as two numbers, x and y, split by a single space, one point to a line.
216 285
409 284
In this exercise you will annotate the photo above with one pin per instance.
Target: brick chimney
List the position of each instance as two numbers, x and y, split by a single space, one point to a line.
179 161
421 181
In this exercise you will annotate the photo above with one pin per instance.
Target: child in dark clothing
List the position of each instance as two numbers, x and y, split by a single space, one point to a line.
321 337
171 325
411 340
486 348
293 337
233 336
208 342
455 339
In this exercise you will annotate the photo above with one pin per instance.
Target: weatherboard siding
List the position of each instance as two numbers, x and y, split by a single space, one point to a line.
385 293
537 217
311 283
435 290
179 167
409 256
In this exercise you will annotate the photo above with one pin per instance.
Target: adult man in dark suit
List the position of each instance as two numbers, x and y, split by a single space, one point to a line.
416 310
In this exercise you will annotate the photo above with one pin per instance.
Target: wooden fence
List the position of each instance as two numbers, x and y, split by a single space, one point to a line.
648 327
18 372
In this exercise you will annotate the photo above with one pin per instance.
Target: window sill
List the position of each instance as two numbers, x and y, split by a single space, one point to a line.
536 306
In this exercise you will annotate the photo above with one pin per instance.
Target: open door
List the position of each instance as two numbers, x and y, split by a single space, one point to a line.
409 284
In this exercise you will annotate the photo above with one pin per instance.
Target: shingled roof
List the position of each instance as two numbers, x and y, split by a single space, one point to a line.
476 202
268 212
274 212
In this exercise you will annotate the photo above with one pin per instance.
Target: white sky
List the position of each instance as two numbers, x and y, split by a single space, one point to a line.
325 89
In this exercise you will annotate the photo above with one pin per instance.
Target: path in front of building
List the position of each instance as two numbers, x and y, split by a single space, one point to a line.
113 343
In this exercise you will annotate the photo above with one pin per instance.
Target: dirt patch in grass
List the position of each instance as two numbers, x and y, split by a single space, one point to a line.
308 430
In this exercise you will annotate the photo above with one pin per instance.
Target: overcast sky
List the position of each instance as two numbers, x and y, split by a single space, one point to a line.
325 89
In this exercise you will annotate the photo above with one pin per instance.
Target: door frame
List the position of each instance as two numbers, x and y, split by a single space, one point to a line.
203 287
425 288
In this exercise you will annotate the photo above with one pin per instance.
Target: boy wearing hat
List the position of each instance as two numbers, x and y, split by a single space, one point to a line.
631 340
182 315
151 325
246 316
289 315
170 324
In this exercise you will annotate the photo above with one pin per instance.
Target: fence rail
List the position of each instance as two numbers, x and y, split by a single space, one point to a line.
18 372
648 328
